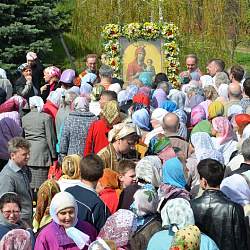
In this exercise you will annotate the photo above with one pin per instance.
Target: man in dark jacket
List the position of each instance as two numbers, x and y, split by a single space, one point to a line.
216 215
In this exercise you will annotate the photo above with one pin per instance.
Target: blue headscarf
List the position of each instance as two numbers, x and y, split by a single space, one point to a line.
87 83
182 115
173 173
139 106
159 142
141 119
131 91
169 106
145 77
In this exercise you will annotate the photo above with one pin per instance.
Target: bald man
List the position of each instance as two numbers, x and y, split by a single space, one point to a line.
234 94
171 123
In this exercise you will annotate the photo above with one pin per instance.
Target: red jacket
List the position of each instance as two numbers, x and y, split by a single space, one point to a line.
51 109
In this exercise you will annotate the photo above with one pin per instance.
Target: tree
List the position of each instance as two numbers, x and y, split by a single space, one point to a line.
28 26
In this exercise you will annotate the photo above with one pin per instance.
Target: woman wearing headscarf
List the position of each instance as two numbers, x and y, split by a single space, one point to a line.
122 139
97 138
177 214
183 120
148 171
223 140
52 104
141 119
211 93
158 97
39 131
64 110
10 220
51 77
71 170
169 106
205 105
195 100
76 128
109 189
173 181
206 80
65 231
16 239
186 238
198 114
87 83
239 123
156 121
145 77
127 100
44 197
215 109
119 228
148 223
179 98
10 126
143 99
145 90
95 95
101 244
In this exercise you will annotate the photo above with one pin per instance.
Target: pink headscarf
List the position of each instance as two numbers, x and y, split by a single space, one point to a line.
205 105
16 239
222 125
197 114
53 71
20 101
145 90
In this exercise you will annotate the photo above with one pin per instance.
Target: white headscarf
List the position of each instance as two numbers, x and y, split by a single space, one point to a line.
36 101
115 87
223 91
206 80
54 97
236 188
3 74
61 201
158 114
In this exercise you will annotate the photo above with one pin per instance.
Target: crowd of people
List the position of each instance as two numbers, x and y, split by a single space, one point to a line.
89 161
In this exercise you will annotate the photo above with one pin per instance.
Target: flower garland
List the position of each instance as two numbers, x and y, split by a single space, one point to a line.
148 31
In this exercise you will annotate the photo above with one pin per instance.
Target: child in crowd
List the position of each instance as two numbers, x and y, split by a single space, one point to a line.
126 172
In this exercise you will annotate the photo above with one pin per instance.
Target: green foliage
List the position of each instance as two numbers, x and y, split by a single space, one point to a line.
28 26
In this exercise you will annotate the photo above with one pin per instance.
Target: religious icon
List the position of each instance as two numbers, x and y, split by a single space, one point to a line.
141 56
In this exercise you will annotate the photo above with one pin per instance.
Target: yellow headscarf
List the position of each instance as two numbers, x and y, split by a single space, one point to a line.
215 109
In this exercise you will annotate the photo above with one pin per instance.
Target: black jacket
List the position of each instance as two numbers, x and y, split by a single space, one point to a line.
221 219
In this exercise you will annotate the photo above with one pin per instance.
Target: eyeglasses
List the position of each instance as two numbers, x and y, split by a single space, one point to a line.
8 213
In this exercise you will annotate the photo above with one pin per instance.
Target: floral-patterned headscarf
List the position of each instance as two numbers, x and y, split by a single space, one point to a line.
159 142
186 238
145 202
145 90
96 92
197 114
52 71
44 196
142 99
131 91
119 226
211 93
177 213
110 113
222 125
81 104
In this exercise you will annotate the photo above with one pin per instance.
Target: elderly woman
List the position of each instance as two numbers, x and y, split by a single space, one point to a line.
44 197
119 228
65 231
223 140
87 83
39 131
51 77
70 168
158 97
122 139
173 181
24 86
156 121
145 206
160 145
97 139
10 209
239 123
177 214
76 128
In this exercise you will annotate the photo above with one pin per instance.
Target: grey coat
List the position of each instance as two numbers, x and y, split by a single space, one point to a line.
74 133
39 131
14 179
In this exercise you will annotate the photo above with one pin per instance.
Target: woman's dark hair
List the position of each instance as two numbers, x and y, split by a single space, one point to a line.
10 198
27 67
